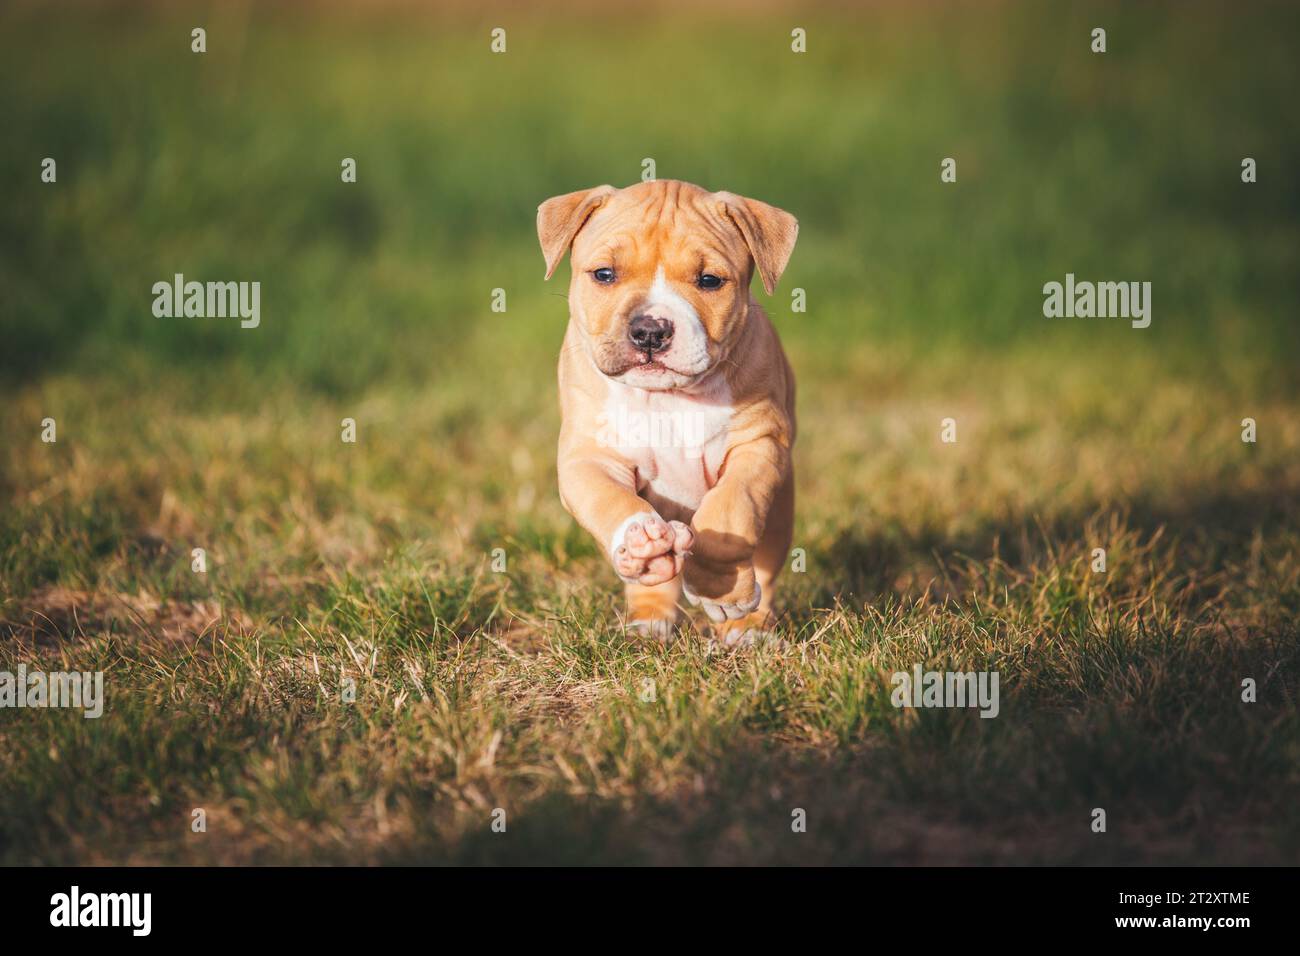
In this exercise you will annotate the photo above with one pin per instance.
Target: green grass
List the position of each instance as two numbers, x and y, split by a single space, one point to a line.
477 690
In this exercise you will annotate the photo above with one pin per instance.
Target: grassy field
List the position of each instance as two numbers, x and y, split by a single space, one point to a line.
372 562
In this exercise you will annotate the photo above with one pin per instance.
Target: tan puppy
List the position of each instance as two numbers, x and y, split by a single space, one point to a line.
678 401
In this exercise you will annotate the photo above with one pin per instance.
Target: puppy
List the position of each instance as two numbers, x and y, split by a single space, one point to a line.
677 399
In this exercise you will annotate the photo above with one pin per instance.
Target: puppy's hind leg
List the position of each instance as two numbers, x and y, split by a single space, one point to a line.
652 609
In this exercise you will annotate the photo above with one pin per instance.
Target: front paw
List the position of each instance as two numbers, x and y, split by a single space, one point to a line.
725 593
649 550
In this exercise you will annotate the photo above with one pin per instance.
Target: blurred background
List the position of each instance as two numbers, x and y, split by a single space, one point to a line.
225 165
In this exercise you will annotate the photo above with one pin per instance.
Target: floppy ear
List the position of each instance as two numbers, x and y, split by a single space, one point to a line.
769 232
560 218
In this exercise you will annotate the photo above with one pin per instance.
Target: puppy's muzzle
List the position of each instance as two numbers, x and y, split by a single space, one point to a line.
650 333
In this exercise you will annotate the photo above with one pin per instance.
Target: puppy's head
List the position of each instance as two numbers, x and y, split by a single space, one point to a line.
661 273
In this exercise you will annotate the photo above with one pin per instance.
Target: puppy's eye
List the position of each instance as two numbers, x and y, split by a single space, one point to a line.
603 276
709 281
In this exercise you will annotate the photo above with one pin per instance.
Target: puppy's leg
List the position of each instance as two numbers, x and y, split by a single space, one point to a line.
729 526
652 611
647 551
769 558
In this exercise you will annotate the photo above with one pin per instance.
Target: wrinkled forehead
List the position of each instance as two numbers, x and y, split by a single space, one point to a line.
642 224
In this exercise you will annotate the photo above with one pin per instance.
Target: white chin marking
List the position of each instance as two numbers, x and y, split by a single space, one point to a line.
655 378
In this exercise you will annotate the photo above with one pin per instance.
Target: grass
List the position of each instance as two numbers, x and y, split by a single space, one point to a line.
372 562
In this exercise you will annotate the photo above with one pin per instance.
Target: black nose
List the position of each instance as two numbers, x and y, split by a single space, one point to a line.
650 334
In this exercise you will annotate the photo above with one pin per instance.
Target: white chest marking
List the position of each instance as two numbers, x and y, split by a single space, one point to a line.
675 440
